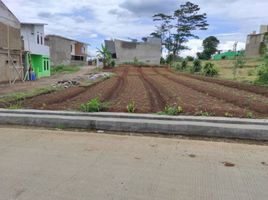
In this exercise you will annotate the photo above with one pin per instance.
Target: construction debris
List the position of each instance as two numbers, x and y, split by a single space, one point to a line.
78 80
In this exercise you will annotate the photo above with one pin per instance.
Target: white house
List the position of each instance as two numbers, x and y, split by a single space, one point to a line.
33 36
36 52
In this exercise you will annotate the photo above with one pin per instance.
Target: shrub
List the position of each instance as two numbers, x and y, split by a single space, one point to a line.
112 63
94 105
227 114
131 107
172 110
202 113
190 58
209 69
162 61
197 66
250 115
238 63
184 65
263 74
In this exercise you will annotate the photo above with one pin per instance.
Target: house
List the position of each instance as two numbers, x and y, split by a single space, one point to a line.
148 52
10 46
257 43
228 55
36 53
66 51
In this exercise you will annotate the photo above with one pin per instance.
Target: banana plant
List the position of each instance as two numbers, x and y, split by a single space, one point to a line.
105 55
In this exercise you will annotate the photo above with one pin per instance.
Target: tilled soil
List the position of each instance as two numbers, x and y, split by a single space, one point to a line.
154 88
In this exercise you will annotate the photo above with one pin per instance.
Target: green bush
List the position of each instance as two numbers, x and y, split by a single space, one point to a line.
202 113
162 61
131 107
172 110
250 115
190 58
94 105
184 65
112 63
197 66
209 69
263 75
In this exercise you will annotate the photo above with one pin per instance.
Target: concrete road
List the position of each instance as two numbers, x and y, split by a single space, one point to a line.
61 165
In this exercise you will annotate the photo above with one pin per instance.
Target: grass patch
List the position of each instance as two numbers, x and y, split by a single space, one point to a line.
13 100
60 69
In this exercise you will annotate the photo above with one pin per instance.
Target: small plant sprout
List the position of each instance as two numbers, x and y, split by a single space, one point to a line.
172 110
131 107
202 113
250 115
94 105
227 114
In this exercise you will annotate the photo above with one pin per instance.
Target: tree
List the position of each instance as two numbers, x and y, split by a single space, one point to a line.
163 31
238 63
176 30
210 45
105 55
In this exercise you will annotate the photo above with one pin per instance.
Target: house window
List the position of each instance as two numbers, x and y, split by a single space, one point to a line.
71 48
114 56
45 67
38 39
41 40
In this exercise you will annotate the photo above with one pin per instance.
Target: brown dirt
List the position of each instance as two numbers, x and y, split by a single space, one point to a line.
262 90
43 82
153 88
241 98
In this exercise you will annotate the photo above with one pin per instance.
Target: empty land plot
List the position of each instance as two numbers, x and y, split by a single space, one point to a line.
153 88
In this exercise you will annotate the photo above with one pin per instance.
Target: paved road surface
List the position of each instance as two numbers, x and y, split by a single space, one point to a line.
43 82
42 165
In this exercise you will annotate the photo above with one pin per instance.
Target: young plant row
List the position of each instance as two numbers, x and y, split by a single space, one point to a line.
208 69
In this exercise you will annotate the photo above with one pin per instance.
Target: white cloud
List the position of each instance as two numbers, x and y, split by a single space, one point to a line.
99 19
195 46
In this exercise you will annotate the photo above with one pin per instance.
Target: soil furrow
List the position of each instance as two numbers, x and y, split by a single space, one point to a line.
221 92
195 101
156 100
118 87
134 91
260 90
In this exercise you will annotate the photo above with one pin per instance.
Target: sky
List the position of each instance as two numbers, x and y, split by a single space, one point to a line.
93 21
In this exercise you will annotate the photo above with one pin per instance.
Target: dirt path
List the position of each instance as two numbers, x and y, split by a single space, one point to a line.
43 82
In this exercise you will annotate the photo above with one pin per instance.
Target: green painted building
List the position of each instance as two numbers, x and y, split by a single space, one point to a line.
36 53
229 55
40 64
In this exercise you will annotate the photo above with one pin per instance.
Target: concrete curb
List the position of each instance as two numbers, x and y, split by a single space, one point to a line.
182 125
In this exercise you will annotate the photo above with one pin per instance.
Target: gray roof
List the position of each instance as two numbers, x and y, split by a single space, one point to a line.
52 35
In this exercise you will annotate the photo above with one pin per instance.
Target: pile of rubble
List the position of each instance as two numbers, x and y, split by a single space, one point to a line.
67 83
80 79
94 77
